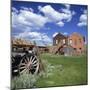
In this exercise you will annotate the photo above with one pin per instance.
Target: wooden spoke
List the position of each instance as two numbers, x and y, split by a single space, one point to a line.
26 60
22 64
33 59
29 64
23 71
35 64
22 67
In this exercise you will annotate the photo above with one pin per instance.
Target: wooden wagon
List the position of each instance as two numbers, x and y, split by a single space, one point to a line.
25 57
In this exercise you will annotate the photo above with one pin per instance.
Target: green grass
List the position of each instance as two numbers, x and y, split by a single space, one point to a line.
59 71
66 71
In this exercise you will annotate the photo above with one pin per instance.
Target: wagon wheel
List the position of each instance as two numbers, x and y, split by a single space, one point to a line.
29 64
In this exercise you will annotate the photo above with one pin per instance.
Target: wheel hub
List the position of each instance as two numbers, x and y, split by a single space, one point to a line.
29 65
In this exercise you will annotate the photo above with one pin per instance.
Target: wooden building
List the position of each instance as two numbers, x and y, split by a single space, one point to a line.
19 44
59 39
43 49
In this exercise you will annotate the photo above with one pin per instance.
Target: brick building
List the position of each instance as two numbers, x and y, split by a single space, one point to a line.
68 45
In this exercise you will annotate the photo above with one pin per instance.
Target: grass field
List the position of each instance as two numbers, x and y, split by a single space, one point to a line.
64 71
59 71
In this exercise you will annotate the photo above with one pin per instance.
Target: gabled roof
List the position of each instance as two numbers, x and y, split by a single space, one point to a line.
55 34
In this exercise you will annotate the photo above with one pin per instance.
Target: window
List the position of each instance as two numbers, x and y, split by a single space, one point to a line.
56 41
80 48
74 48
70 41
63 41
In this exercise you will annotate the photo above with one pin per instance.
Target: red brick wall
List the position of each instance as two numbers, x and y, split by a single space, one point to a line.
77 42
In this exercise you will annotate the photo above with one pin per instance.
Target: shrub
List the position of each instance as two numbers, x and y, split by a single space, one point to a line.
24 81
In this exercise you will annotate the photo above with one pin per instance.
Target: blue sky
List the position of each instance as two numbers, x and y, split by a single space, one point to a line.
40 21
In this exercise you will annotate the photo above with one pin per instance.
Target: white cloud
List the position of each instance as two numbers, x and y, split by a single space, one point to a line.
39 7
60 24
83 19
40 38
67 6
25 17
50 13
28 9
25 21
28 18
14 10
56 16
